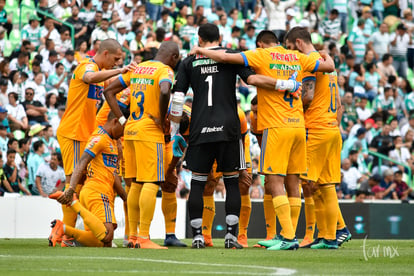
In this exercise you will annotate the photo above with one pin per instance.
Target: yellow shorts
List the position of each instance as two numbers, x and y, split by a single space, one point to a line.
283 151
323 149
168 155
71 152
101 205
144 161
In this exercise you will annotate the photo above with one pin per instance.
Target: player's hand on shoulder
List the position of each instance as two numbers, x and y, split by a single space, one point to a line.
195 50
323 54
129 67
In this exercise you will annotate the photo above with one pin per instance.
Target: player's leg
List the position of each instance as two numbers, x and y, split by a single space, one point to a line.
309 213
199 159
151 174
245 180
209 208
295 202
134 193
128 182
169 200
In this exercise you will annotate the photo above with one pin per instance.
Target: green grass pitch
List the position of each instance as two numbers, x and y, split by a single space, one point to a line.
357 257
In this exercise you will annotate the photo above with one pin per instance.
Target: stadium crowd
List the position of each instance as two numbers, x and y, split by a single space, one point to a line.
371 42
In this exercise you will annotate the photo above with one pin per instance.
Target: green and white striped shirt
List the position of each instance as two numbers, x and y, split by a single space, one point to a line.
359 43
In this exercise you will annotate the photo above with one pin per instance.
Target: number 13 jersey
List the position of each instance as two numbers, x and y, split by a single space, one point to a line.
144 83
214 114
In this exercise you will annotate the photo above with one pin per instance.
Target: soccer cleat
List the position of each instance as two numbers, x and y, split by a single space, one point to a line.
198 243
57 232
133 242
68 242
57 194
285 244
242 240
272 242
208 241
231 244
308 245
146 243
172 240
343 235
325 244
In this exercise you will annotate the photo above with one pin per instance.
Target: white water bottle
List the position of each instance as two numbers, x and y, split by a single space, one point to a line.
176 112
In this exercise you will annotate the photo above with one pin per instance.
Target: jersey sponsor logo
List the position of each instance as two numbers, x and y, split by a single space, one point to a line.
331 74
285 67
203 62
284 57
110 160
95 92
145 70
209 70
142 81
131 132
212 129
292 120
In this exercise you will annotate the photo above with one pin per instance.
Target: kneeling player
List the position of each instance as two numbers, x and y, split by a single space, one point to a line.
96 205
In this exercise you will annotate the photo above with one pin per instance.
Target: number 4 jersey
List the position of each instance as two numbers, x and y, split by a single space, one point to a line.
144 83
322 112
214 114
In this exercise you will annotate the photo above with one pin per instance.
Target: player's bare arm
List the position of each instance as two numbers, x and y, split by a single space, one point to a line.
110 95
119 189
327 65
308 90
165 90
219 55
67 196
95 77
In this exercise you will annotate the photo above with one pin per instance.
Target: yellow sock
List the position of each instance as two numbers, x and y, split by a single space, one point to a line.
341 222
169 209
133 208
295 205
69 216
245 210
310 217
319 214
270 216
126 232
86 238
282 210
209 212
330 200
147 202
94 224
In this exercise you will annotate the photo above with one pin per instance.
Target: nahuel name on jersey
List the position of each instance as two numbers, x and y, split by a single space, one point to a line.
209 70
284 57
212 129
145 70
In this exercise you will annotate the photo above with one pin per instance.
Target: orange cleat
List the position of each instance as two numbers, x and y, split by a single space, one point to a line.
261 246
306 242
55 195
242 240
57 232
146 243
208 241
133 242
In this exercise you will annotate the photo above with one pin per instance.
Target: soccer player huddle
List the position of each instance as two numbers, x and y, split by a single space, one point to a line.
142 131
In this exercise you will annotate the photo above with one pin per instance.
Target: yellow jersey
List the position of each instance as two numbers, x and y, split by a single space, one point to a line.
144 83
278 109
322 111
123 101
78 121
102 169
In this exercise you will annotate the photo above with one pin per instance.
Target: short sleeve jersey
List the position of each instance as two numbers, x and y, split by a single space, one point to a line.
123 102
214 116
144 83
322 111
253 125
78 121
102 169
278 109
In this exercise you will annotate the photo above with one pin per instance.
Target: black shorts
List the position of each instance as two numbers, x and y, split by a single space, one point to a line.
229 156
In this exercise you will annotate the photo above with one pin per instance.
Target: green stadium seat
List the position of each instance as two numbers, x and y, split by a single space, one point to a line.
15 38
410 76
8 48
316 38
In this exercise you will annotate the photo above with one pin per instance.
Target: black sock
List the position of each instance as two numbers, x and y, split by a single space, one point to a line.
233 203
196 203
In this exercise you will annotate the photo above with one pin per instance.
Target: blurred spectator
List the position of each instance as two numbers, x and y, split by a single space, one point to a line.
367 186
16 114
50 142
189 31
401 188
166 22
34 160
49 65
103 32
78 24
57 78
342 190
311 14
390 7
370 25
398 49
379 42
250 37
408 126
11 173
357 82
154 8
255 193
48 31
80 53
346 67
277 17
395 130
386 102
64 42
3 118
290 19
352 177
400 153
385 67
94 23
95 47
49 46
372 79
21 63
62 10
32 31
36 112
357 142
87 13
388 184
382 143
5 68
55 121
39 88
3 92
49 177
357 159
4 184
357 41
350 117
256 184
5 21
363 112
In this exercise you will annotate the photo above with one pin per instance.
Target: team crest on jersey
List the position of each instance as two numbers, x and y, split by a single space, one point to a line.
111 148
94 141
89 67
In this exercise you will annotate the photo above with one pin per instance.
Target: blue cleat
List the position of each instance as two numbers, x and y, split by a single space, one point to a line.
343 235
285 244
171 240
